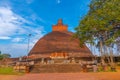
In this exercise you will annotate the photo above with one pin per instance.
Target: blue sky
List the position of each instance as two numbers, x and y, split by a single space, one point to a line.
19 18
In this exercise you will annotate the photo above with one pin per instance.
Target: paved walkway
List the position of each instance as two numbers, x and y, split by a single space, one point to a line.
65 76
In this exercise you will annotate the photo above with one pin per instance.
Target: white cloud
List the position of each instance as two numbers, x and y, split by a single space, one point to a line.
5 37
17 39
35 17
16 50
29 1
58 1
10 22
12 26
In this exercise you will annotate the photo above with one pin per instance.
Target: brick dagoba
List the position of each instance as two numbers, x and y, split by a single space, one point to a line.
59 44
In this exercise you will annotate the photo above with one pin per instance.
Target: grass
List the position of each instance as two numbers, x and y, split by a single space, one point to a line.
8 71
108 69
118 68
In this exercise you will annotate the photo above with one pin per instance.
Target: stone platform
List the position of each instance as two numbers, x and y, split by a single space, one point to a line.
56 68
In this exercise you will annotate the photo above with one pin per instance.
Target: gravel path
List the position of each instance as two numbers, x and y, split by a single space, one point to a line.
65 76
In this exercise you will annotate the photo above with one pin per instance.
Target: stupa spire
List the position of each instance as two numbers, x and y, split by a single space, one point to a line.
59 26
60 22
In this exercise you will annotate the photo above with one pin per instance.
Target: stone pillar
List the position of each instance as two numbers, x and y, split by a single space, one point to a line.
42 61
94 68
73 60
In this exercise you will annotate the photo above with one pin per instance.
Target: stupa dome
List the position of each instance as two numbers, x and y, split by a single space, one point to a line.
59 42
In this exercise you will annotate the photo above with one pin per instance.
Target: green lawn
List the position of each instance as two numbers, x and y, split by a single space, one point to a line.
8 71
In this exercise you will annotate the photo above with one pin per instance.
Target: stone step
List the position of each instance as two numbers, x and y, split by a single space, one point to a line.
56 68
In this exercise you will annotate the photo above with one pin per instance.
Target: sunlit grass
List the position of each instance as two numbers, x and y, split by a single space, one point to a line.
118 68
8 71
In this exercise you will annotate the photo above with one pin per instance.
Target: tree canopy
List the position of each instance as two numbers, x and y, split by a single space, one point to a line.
101 26
102 22
4 55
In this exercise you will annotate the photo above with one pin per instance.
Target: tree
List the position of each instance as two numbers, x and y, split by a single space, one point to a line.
1 57
4 55
118 46
101 25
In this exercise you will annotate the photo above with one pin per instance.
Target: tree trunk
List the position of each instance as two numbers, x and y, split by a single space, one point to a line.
111 58
107 53
102 55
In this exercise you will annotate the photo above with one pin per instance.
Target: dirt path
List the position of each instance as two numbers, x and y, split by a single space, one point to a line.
8 77
65 76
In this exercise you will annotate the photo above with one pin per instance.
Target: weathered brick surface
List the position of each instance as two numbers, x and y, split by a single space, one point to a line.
56 68
59 41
